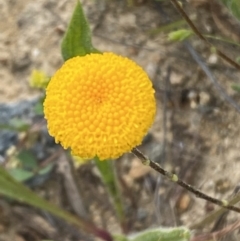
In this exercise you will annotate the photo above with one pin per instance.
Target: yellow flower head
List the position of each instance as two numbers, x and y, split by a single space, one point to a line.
99 105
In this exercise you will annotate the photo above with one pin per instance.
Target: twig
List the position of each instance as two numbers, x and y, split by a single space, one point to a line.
198 33
174 178
48 160
215 214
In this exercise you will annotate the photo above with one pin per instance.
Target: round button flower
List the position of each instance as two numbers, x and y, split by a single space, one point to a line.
99 105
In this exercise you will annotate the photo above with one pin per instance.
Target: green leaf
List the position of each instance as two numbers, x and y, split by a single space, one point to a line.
162 234
225 2
168 27
28 167
20 174
233 6
15 124
27 159
238 59
120 237
236 88
77 39
157 234
19 124
46 169
180 35
38 108
12 189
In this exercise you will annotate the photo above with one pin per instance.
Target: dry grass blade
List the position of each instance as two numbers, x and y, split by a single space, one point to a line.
71 187
206 70
215 214
218 234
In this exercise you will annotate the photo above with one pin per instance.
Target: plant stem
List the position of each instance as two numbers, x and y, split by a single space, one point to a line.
110 180
214 215
174 178
229 41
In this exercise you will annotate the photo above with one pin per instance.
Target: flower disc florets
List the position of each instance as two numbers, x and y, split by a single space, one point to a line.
99 105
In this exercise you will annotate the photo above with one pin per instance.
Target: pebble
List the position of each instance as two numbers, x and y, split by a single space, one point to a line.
176 78
213 59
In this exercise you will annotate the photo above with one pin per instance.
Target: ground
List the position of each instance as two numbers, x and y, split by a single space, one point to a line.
195 133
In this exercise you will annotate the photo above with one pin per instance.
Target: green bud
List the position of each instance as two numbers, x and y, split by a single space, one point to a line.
180 35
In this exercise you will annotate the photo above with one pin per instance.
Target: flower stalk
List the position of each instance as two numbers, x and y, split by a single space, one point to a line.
109 177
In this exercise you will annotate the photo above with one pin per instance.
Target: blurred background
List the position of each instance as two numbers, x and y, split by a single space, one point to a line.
195 134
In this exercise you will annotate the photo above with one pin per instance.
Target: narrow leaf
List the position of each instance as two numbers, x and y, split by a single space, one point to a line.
27 159
38 108
77 39
12 189
46 169
233 6
21 175
15 124
236 88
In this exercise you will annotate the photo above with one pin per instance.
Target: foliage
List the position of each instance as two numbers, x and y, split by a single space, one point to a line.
158 234
77 39
27 167
233 6
77 42
179 35
236 88
9 187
